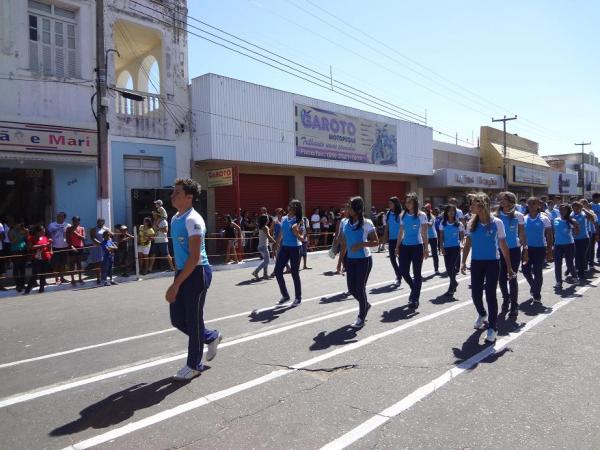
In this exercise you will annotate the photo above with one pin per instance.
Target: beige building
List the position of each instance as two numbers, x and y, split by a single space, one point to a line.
525 170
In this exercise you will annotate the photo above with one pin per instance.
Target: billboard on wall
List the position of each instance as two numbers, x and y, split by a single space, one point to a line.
220 177
530 176
328 135
562 183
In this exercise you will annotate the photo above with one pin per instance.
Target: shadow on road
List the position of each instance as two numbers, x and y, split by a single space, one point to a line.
120 406
384 289
269 315
472 346
441 299
403 312
334 298
533 309
250 282
342 336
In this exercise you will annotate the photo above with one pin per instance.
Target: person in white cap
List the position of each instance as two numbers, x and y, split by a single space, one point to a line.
162 212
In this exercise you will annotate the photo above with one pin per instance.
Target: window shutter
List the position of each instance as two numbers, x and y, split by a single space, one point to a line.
59 50
34 60
46 48
71 52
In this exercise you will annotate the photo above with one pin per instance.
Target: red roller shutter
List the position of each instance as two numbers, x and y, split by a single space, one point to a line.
224 204
326 192
382 190
270 191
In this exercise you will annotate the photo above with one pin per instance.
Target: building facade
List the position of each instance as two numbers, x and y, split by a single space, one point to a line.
571 163
48 154
457 172
255 146
526 172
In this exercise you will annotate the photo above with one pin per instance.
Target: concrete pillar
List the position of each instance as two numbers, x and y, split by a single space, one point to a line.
299 192
366 192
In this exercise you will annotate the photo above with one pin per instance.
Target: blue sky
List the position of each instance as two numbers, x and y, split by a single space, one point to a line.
461 62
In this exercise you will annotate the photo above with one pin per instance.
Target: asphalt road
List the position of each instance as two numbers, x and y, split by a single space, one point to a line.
92 367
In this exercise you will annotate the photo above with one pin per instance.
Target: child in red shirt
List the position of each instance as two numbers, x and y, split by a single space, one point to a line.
40 247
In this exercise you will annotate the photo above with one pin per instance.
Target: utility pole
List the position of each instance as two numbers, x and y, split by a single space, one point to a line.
582 167
504 169
101 111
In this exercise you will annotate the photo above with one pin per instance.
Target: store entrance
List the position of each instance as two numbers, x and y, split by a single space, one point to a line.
26 194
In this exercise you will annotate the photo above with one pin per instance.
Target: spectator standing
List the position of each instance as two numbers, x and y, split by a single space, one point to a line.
41 248
108 250
324 228
3 255
160 246
75 240
95 257
18 235
231 233
124 243
160 210
315 227
58 233
145 236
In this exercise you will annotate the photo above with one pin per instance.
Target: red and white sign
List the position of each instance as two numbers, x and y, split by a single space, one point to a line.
220 177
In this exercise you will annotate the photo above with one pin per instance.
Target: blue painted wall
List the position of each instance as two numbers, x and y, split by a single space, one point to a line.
120 149
75 190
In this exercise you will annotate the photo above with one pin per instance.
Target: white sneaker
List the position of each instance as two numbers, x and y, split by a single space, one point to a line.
283 300
480 322
211 348
491 336
186 374
296 303
358 323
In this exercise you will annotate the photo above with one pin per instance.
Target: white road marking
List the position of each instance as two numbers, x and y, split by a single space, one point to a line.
167 330
185 407
421 393
53 389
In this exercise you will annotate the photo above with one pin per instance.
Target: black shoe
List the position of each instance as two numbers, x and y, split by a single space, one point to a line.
414 304
449 293
41 290
27 290
514 313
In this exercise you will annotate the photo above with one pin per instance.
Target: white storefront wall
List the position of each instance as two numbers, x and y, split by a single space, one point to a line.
463 179
240 121
560 183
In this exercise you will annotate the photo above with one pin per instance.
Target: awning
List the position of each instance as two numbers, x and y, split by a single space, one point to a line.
521 156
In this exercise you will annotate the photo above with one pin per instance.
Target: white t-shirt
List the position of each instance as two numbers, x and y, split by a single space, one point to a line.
161 237
58 233
315 220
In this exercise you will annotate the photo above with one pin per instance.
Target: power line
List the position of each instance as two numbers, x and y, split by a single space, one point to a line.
319 83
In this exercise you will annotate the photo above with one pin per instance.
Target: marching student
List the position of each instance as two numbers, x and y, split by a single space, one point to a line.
452 233
390 235
592 226
486 236
565 227
358 234
187 293
596 210
293 234
412 246
538 230
514 227
582 216
432 237
264 238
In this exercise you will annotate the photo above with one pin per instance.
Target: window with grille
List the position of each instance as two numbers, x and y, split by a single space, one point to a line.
52 40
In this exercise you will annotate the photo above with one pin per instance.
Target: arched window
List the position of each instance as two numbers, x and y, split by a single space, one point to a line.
124 81
149 81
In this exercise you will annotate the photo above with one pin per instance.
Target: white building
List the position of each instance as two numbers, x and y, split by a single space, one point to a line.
256 146
48 156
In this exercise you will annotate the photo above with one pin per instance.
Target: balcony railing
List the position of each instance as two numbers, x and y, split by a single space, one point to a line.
149 107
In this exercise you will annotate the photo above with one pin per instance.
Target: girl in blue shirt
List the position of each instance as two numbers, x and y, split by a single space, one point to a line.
432 237
358 234
565 227
412 247
582 216
392 227
290 246
452 233
514 227
485 235
538 230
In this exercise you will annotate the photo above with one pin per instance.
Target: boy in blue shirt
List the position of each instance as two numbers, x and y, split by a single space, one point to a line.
187 294
108 258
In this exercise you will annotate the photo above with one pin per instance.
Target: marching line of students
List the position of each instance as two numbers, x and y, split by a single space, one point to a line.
498 242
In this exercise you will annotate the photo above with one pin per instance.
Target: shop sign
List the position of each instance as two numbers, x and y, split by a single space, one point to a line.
473 179
328 135
563 184
29 137
528 175
220 177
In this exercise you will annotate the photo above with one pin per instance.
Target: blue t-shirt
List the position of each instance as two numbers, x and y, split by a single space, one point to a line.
511 228
393 224
289 239
183 226
484 240
452 233
276 230
105 248
554 213
431 231
353 236
582 221
563 232
596 209
535 230
412 228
